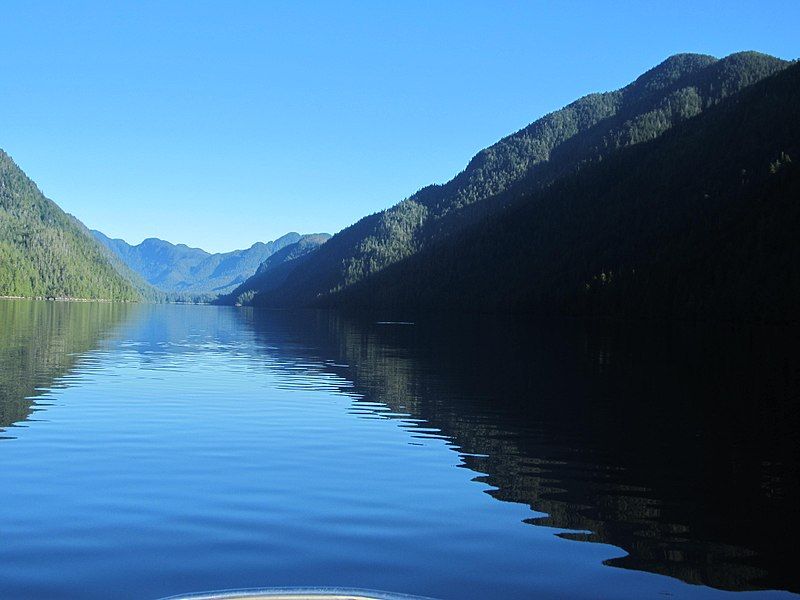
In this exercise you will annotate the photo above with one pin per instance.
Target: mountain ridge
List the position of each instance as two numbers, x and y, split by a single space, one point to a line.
46 252
186 270
273 271
559 143
699 223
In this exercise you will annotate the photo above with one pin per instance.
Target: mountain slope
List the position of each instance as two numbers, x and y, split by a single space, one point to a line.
702 222
181 269
556 145
44 252
273 271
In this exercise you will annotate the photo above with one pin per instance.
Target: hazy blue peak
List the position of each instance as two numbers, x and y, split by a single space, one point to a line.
187 270
159 243
285 240
292 235
273 271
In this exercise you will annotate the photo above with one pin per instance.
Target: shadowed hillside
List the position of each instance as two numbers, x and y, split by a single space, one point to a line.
701 222
578 137
675 442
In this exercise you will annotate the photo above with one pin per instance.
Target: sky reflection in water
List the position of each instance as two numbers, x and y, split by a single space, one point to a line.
153 450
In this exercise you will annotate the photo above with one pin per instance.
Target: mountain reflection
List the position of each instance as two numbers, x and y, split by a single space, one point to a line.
677 443
41 342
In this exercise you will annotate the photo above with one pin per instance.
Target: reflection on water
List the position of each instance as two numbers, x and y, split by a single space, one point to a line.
247 448
677 443
40 342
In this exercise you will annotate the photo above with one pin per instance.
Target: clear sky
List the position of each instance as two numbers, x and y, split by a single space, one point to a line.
218 124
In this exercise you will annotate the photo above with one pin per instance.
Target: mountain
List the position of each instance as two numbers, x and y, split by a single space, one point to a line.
181 270
273 271
702 222
44 252
584 133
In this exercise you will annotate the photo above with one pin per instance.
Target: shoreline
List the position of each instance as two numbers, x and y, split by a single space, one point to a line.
103 300
65 299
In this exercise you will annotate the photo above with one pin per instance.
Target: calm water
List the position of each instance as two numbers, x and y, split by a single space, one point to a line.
152 450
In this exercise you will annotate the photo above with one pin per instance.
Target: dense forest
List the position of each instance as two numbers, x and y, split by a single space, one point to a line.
503 177
673 196
44 252
701 222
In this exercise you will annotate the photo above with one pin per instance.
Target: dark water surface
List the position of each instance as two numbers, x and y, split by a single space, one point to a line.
152 450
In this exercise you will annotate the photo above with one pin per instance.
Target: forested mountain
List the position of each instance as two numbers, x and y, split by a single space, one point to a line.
702 222
273 271
179 269
555 147
44 252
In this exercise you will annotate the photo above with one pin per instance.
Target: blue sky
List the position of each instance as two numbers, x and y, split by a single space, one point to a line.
218 124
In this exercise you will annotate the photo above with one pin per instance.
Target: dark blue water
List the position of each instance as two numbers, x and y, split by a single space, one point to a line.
154 450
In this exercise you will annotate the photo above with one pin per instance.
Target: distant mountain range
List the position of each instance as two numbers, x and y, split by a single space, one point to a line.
47 253
627 202
675 196
182 270
274 270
